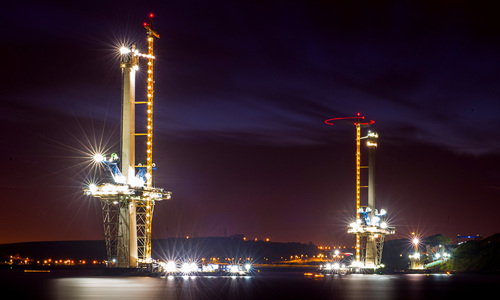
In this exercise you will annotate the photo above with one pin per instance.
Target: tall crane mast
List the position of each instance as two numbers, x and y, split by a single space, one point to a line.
151 35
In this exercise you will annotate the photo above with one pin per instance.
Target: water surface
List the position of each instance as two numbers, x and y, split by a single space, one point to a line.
265 285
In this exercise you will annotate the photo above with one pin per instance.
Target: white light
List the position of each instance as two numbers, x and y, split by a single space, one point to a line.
92 188
124 50
137 182
383 225
98 157
170 267
119 179
185 268
234 269
193 267
247 267
328 267
112 189
336 266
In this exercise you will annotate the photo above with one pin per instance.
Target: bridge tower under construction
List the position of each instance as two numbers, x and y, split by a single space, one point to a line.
127 194
369 225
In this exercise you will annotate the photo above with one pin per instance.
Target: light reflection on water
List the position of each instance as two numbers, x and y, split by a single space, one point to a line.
184 287
274 286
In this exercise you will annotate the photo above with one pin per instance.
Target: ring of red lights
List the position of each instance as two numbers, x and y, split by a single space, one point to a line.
359 117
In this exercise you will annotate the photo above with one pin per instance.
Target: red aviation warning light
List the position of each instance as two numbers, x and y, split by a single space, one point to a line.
149 27
358 117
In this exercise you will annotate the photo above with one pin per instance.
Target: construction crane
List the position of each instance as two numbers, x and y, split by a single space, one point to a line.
370 226
129 198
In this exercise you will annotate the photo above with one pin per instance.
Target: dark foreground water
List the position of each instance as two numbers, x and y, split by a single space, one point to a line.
265 285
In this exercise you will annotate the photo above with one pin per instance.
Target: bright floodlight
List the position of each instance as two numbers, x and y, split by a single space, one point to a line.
188 267
383 225
124 50
415 241
171 267
185 268
92 188
234 269
247 267
98 157
193 267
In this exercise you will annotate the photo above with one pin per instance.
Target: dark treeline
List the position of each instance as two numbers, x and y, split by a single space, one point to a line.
477 256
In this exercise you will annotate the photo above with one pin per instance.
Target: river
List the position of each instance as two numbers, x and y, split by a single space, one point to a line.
78 285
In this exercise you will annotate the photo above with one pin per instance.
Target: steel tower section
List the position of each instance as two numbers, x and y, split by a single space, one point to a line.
128 198
370 226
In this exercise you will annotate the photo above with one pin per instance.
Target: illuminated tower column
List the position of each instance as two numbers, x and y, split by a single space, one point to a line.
372 146
371 243
129 64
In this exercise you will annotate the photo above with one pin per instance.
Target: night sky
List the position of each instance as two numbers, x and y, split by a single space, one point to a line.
241 94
